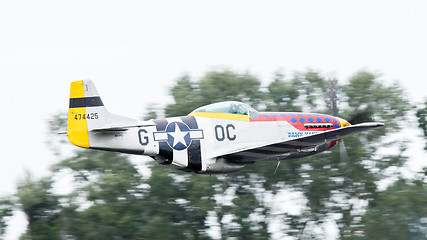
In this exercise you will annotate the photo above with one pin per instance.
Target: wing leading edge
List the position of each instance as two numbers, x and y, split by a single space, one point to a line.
298 147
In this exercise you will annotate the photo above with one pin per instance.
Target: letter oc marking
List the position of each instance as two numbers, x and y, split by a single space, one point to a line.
220 136
231 138
220 133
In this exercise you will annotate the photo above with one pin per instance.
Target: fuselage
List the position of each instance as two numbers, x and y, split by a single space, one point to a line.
204 142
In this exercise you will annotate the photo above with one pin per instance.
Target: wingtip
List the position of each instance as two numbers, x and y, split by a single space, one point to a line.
378 124
370 124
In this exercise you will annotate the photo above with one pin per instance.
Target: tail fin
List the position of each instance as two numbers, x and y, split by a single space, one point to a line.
87 112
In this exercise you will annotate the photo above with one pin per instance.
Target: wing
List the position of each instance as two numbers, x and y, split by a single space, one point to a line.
298 147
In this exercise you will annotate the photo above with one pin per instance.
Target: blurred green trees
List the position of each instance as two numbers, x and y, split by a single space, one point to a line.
399 212
422 120
112 199
41 206
6 211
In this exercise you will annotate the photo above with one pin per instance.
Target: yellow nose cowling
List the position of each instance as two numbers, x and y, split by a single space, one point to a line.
344 123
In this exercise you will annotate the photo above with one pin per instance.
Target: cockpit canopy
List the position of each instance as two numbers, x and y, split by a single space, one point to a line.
233 107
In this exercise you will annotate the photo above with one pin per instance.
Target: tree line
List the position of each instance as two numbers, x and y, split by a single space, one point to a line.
112 199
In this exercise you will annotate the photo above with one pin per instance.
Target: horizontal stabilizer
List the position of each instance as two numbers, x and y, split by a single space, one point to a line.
123 127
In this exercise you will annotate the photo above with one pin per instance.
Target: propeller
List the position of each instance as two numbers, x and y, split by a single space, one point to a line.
343 151
331 89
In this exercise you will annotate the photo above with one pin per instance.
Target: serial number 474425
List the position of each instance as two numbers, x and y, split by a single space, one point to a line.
86 116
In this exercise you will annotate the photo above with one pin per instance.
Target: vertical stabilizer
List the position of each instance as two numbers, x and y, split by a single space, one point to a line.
87 112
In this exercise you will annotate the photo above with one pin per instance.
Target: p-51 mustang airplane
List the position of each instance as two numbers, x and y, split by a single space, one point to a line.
217 138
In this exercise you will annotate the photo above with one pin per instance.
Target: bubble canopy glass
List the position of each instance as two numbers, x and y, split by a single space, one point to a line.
233 107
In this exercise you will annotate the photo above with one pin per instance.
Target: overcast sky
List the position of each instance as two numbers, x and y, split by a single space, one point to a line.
135 50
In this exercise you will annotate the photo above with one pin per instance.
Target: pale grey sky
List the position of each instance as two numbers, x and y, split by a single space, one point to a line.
134 50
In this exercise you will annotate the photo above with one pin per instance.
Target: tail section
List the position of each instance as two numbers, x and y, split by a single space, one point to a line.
87 112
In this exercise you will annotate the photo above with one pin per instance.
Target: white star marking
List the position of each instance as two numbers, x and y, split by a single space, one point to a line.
178 136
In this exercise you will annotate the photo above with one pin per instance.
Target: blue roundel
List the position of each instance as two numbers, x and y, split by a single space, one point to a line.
178 135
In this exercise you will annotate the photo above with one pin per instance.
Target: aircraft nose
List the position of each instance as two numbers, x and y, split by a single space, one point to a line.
343 122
